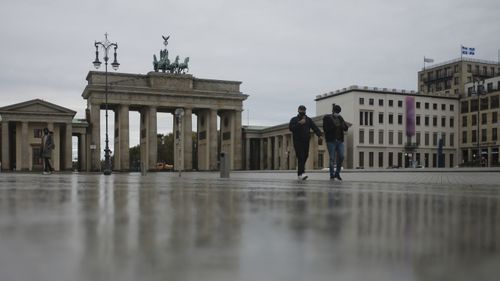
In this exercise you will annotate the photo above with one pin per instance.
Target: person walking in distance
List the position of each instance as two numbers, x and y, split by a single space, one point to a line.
334 127
300 127
47 147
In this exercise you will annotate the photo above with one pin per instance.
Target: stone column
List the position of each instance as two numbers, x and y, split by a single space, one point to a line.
25 149
188 139
277 153
82 151
212 139
269 153
247 153
95 137
236 140
203 151
68 148
152 137
261 155
5 146
122 155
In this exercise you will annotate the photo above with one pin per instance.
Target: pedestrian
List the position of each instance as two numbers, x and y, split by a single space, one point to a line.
334 127
300 127
46 151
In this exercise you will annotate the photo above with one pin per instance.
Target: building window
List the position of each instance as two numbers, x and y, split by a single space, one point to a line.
400 159
371 134
489 87
455 81
361 136
464 107
474 120
381 118
464 137
400 138
381 159
494 136
443 107
452 139
361 101
434 106
443 121
426 105
391 155
434 139
370 101
391 103
37 133
443 138
473 136
417 138
494 117
484 103
366 118
391 137
426 120
434 121
494 101
381 102
484 118
361 159
464 121
473 105
469 68
452 108
418 104
391 117
400 103
380 137
417 120
400 119
370 158
426 139
484 135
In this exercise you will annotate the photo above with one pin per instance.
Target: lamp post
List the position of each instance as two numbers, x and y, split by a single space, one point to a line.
478 90
106 45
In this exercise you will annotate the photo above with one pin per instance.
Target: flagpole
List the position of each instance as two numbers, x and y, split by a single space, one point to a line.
461 52
424 62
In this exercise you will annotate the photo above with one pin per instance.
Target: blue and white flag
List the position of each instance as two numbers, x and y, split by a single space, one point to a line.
468 51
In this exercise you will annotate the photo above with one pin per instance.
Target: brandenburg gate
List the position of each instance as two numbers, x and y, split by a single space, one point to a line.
165 92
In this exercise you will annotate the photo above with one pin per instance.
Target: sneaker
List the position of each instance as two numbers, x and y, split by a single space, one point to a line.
304 177
338 177
46 173
299 178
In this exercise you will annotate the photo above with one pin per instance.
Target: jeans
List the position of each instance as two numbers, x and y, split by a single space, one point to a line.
302 152
335 149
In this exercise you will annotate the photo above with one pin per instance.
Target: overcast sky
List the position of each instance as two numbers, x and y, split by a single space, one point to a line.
285 52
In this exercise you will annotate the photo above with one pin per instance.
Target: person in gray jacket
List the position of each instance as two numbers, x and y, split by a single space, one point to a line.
46 151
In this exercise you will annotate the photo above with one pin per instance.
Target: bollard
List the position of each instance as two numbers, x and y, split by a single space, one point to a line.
224 165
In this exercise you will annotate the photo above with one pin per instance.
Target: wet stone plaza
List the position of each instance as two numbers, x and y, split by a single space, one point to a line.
386 225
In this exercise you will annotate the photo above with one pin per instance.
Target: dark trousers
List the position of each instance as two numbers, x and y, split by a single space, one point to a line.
302 152
48 165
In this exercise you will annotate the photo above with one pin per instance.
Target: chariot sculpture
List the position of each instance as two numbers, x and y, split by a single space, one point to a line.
165 65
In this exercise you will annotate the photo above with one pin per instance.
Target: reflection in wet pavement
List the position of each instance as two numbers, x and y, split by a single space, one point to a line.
199 227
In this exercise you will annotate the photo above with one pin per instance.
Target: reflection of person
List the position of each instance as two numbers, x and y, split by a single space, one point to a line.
300 126
334 127
47 147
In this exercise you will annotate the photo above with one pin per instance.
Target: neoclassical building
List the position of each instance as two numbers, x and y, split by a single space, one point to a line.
21 134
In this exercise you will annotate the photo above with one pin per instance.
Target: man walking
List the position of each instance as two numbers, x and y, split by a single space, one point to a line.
334 127
47 147
300 127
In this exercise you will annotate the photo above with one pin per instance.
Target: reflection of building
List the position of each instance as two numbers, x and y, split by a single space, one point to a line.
21 134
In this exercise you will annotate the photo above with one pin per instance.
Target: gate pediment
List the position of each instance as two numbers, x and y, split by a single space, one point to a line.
36 106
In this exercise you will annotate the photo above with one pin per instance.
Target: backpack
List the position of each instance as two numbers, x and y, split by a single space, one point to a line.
338 127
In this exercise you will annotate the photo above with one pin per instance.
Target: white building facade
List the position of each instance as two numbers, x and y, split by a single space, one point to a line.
396 128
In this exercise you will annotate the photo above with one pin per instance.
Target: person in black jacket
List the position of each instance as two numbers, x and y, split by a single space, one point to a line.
334 127
300 127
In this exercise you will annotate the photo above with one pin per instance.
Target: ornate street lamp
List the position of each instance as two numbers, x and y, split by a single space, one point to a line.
106 45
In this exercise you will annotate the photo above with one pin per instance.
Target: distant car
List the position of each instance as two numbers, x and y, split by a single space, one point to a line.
164 167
